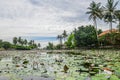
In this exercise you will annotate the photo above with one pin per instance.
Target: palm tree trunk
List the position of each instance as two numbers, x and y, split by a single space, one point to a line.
119 26
60 41
95 24
111 30
111 26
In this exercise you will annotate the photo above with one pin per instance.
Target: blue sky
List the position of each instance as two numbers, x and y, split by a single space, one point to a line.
43 20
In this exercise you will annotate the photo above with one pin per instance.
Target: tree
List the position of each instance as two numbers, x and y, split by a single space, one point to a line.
34 45
99 31
50 46
6 45
39 45
117 13
25 42
15 40
33 42
1 43
109 12
70 43
30 42
22 42
110 39
85 36
95 11
60 37
19 40
64 34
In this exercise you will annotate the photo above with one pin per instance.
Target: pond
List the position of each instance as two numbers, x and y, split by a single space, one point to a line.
82 65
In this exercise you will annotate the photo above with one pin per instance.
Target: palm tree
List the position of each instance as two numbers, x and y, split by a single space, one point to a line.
95 11
15 40
64 35
25 42
39 45
33 42
60 37
30 43
19 40
109 12
117 13
22 42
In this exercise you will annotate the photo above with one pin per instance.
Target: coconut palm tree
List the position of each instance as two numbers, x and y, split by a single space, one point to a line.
117 13
109 12
15 40
30 43
25 42
19 40
95 11
60 37
22 42
64 35
39 45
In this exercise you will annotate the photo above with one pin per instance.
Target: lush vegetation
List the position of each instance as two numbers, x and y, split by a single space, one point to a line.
110 39
19 44
88 36
83 36
68 64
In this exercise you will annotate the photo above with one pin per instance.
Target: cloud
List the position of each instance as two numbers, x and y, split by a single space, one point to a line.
44 18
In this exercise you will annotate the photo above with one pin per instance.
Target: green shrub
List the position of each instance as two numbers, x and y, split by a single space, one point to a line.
6 45
110 39
18 47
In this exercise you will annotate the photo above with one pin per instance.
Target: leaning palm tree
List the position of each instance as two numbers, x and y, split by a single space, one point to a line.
109 12
64 35
117 13
95 11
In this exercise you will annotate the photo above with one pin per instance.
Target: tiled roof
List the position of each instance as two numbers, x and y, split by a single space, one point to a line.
107 31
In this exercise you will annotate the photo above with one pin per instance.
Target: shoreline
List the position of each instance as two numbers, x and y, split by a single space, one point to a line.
57 51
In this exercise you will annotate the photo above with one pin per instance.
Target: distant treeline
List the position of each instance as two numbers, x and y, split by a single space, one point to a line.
19 44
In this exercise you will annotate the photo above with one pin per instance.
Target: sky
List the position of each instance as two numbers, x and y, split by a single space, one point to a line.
43 20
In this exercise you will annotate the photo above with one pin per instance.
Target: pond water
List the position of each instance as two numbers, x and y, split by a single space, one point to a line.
36 65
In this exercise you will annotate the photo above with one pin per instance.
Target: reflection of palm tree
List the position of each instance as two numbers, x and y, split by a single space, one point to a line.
95 12
60 37
109 12
64 34
117 13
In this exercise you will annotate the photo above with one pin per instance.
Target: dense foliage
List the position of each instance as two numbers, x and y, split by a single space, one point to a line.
5 45
70 43
19 44
50 46
85 36
110 39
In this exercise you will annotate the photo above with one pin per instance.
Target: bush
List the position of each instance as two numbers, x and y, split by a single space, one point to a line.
18 47
6 45
110 39
85 36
